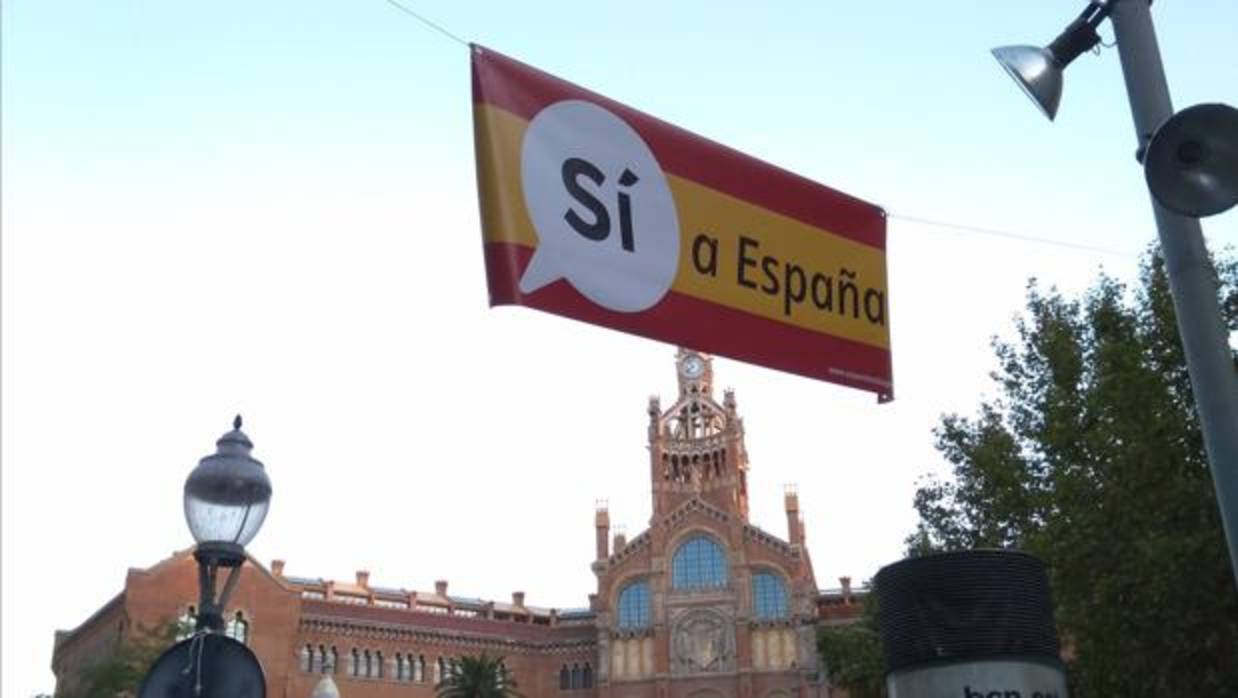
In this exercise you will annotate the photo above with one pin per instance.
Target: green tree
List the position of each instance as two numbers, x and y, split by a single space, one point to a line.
482 676
851 654
1090 457
120 672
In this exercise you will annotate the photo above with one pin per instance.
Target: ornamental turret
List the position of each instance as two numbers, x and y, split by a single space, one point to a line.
696 445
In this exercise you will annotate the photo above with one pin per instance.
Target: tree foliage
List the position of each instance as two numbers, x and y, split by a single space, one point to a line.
1090 457
482 676
119 673
851 654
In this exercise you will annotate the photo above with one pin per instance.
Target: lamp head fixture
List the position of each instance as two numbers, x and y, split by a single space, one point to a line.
1191 162
1038 71
227 495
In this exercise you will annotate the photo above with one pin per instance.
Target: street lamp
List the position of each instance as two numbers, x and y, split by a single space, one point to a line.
226 501
1038 71
1197 176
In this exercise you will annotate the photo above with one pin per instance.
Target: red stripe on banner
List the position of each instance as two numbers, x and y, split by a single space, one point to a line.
691 322
524 91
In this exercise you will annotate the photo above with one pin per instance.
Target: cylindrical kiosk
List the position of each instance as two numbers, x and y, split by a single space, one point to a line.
970 624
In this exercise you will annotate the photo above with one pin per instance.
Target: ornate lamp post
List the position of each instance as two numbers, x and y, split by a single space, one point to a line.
226 501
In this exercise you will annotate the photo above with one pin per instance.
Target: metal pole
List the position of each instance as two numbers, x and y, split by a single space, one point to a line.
1191 276
211 556
210 615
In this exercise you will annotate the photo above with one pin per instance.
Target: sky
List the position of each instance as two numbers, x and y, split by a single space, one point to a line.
270 208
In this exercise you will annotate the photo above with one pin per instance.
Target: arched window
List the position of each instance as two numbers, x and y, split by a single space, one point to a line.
307 658
419 669
586 676
380 669
440 671
634 605
400 673
238 629
356 662
698 563
565 679
575 676
335 661
322 659
769 596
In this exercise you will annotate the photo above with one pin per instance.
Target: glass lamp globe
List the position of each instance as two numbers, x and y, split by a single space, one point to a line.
227 495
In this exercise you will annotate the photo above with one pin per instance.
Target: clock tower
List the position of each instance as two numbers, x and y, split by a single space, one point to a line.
703 602
696 446
696 372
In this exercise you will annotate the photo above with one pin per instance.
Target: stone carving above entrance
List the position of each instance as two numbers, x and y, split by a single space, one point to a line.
703 642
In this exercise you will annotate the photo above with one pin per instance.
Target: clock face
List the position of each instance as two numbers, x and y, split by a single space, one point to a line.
693 367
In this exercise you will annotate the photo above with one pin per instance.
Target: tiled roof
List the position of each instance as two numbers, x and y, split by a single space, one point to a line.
413 620
424 598
304 581
466 600
861 590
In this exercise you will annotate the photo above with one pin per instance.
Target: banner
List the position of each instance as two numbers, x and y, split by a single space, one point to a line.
598 212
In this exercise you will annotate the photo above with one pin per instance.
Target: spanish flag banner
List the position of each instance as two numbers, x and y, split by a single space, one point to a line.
593 210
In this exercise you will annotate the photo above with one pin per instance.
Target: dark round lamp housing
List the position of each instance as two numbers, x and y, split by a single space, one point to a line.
205 666
227 495
973 621
1191 163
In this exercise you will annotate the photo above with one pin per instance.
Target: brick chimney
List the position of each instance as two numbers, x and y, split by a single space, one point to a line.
621 542
277 568
363 579
440 588
795 527
846 585
601 522
518 599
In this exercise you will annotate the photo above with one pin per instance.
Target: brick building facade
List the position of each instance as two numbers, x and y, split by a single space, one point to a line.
702 604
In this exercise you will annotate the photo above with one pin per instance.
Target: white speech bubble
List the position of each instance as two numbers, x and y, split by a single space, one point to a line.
601 207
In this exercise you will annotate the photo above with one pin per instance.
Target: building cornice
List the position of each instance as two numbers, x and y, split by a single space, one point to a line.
403 632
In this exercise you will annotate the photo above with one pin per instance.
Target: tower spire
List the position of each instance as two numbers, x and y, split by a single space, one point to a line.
697 444
696 372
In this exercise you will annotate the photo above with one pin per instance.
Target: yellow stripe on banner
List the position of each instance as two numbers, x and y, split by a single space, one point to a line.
732 252
750 258
497 136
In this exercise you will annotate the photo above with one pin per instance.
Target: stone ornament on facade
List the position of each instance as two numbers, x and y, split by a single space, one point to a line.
703 642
